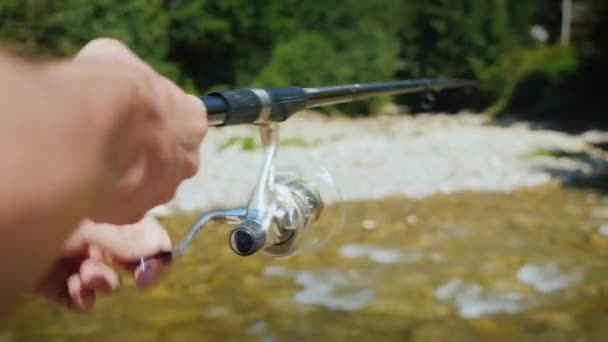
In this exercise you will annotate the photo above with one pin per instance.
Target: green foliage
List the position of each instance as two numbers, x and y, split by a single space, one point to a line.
250 144
246 143
337 42
299 142
462 39
318 63
454 38
549 63
560 85
207 45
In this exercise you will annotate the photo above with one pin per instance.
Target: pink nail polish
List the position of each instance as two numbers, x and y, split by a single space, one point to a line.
147 273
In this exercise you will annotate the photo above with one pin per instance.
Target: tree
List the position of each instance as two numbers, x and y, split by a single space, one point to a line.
47 29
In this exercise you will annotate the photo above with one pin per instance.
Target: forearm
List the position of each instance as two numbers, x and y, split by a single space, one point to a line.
56 150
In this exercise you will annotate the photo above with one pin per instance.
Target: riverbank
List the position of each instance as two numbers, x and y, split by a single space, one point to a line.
394 155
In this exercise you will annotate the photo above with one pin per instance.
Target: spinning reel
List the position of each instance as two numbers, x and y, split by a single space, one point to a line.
282 209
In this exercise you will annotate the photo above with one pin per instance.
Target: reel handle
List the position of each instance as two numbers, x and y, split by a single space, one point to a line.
164 257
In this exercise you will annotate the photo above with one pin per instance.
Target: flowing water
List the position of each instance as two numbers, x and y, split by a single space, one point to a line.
529 265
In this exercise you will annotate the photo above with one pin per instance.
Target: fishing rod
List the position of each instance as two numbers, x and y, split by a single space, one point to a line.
253 105
283 207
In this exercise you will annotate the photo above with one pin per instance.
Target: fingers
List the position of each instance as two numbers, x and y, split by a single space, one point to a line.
81 299
190 129
114 244
196 116
98 276
128 242
92 278
197 130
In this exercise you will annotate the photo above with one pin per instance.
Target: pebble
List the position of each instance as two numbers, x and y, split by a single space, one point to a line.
599 213
275 271
548 277
473 300
256 328
603 230
411 219
368 224
332 289
375 254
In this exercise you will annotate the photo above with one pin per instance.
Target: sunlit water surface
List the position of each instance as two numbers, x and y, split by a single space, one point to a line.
531 265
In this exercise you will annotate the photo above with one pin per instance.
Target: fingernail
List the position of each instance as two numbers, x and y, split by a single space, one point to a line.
146 274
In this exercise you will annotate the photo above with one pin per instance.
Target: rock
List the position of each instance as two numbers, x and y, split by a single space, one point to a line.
473 300
375 254
548 277
368 224
603 229
256 328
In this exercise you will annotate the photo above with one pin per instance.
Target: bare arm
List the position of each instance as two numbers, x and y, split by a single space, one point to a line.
53 162
75 138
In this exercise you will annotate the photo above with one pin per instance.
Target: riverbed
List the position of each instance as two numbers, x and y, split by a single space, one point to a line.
529 265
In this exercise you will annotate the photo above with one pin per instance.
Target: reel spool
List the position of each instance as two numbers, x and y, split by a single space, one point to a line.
307 190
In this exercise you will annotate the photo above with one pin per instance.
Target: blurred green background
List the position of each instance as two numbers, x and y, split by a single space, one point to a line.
514 47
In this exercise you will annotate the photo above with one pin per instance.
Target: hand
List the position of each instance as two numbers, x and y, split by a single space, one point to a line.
85 267
159 134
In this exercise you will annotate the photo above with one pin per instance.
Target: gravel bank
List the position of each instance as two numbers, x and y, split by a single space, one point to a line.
393 156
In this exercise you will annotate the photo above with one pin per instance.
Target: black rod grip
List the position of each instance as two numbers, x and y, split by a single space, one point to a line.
215 104
243 106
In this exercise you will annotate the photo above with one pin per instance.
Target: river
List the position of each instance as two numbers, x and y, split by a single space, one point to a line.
531 264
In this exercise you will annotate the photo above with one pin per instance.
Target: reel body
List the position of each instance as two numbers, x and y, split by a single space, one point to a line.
282 212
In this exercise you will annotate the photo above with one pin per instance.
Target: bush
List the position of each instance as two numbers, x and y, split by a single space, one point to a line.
307 60
518 79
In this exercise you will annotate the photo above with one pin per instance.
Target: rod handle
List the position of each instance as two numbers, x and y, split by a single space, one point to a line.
248 106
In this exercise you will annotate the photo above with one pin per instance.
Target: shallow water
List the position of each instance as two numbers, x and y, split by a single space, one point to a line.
530 265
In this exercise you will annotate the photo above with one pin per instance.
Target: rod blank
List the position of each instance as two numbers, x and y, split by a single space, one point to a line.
246 106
